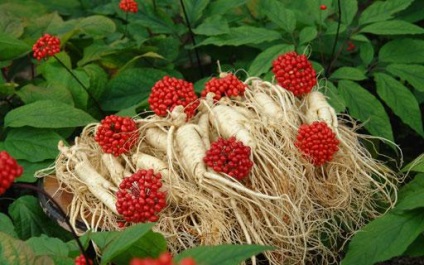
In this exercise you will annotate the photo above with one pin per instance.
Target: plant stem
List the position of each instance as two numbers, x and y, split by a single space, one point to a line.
336 39
61 212
193 40
82 85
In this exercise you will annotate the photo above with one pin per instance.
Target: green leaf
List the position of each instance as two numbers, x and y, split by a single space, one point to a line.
47 114
411 196
382 10
10 25
279 14
212 26
6 226
98 79
392 27
222 254
129 88
30 169
366 52
307 34
150 245
95 52
263 62
243 35
400 99
412 73
32 144
31 93
97 26
416 248
349 9
333 97
123 241
402 51
349 73
384 238
12 48
219 7
416 165
364 106
194 9
58 76
155 24
30 220
16 252
44 245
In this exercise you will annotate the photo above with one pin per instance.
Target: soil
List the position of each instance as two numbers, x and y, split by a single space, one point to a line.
403 261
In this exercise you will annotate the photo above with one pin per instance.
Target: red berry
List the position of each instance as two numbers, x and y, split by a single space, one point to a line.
229 86
128 6
80 260
170 92
139 198
323 7
116 135
350 46
188 261
9 170
229 156
295 73
46 46
317 142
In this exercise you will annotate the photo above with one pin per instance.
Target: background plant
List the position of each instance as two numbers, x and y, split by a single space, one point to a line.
369 56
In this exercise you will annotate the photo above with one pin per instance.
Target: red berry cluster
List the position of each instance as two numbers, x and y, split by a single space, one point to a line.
164 259
170 92
46 46
9 170
350 46
128 6
116 135
228 85
229 156
294 72
323 7
80 260
317 142
139 199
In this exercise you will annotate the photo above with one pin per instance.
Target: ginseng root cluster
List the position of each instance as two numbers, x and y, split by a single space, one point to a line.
257 163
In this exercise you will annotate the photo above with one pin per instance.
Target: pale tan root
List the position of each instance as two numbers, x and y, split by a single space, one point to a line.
116 170
318 109
231 123
191 150
156 138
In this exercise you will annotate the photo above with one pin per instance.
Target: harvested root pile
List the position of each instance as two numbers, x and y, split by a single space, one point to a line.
303 199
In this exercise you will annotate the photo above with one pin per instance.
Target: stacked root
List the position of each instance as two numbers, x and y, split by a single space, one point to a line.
307 212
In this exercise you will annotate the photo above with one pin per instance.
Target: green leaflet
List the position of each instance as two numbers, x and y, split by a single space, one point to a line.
365 107
349 73
382 10
393 27
243 35
404 50
400 100
47 114
385 237
12 48
33 144
222 254
412 73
